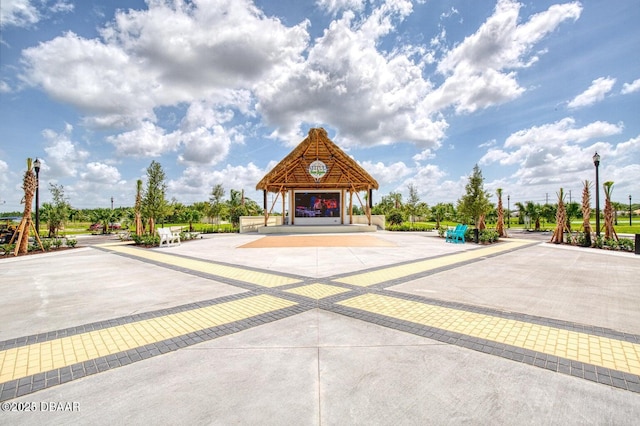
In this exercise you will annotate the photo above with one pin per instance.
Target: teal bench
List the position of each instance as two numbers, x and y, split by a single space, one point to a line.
456 235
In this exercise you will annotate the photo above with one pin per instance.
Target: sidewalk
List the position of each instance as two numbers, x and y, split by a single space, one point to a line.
406 330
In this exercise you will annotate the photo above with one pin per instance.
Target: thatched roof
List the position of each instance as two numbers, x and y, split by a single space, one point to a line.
293 171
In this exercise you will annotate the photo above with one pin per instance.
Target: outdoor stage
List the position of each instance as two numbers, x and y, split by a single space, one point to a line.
315 229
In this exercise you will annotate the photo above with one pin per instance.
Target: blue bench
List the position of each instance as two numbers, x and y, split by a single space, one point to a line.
456 235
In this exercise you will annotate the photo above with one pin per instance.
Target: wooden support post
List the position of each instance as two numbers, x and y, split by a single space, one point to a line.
350 207
283 204
266 212
292 208
370 205
342 206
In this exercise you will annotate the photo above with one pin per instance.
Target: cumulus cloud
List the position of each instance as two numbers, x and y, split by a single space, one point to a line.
552 153
19 13
630 87
480 70
387 174
4 176
335 6
24 13
64 156
372 97
170 53
148 140
100 173
595 93
196 181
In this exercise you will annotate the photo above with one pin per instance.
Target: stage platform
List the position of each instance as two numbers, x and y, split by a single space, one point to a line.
316 229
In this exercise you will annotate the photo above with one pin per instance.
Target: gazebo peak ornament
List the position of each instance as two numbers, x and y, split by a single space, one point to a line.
318 169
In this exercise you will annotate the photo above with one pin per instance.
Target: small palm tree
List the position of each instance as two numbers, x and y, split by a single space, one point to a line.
609 231
138 208
561 220
191 215
500 222
29 184
586 213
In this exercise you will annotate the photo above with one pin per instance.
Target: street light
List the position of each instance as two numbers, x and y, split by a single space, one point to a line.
36 167
596 162
630 212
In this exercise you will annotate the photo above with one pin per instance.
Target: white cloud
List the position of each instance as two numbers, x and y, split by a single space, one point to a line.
148 140
595 93
553 153
204 138
630 87
64 157
96 172
4 87
335 6
24 13
4 178
196 182
563 131
344 73
387 174
166 55
19 13
479 71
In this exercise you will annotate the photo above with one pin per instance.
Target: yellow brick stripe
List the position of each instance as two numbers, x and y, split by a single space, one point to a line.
596 350
24 361
317 291
396 272
263 279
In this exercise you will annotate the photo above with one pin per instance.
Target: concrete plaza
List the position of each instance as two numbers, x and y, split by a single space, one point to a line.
385 329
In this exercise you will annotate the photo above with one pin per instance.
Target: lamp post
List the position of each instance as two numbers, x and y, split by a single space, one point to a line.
508 211
596 162
630 212
36 167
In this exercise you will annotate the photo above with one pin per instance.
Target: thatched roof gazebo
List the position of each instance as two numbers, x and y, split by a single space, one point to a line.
315 168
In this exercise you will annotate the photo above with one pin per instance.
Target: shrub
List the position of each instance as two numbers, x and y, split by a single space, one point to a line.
598 242
581 239
488 236
57 243
71 242
611 244
151 239
8 248
46 244
395 217
441 231
408 227
626 244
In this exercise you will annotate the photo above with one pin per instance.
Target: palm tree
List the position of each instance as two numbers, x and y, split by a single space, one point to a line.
534 211
29 184
561 220
191 215
586 213
573 210
609 231
500 221
105 217
138 208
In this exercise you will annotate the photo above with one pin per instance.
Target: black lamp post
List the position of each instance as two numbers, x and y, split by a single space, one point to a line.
630 212
509 211
36 167
596 162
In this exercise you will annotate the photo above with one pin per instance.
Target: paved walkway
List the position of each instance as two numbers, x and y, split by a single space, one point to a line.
408 329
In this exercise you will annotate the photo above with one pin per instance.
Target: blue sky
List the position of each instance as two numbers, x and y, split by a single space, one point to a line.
218 91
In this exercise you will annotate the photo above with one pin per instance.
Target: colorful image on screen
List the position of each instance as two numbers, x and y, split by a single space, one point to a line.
317 204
